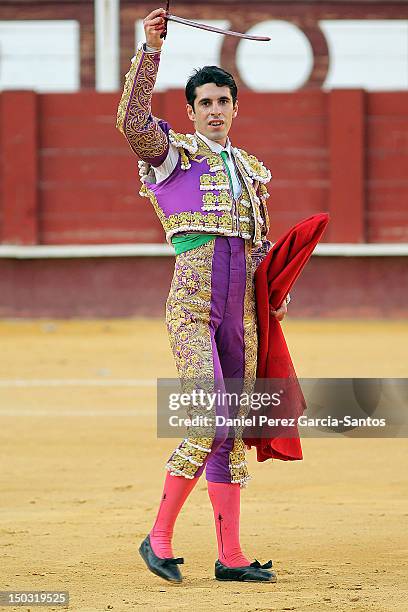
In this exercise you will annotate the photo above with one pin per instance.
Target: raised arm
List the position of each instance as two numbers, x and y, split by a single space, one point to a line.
147 136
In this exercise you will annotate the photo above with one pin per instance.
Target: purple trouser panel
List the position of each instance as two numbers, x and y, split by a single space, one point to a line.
227 339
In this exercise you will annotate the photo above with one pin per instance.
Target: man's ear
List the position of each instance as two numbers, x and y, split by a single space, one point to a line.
235 113
190 112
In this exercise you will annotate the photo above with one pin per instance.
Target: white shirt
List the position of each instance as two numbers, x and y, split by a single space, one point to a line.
166 168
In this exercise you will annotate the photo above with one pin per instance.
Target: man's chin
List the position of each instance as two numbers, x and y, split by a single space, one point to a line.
216 135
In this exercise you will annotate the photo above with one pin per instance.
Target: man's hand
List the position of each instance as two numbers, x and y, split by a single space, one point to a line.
281 312
154 25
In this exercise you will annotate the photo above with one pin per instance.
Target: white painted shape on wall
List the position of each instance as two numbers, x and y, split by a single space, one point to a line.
371 54
40 55
184 50
284 64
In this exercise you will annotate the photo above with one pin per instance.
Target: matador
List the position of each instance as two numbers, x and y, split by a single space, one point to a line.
211 200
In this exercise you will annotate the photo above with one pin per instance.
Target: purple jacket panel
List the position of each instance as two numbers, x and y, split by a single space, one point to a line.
181 192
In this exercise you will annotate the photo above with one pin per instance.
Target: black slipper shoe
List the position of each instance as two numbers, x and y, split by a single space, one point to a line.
165 568
255 572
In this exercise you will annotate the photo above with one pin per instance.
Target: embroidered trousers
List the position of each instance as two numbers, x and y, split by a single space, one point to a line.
211 321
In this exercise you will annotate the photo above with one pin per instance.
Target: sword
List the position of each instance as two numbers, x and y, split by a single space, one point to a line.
208 28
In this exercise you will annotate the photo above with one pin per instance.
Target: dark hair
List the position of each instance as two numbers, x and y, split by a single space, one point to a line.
210 74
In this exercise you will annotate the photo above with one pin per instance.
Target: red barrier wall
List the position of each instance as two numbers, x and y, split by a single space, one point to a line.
69 177
351 287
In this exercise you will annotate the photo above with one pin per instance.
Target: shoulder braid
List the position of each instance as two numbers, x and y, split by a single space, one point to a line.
253 166
186 143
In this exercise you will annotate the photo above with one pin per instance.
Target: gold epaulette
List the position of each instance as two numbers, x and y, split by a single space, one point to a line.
184 142
253 166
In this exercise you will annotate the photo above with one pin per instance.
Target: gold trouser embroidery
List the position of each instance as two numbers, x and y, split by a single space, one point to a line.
237 461
188 309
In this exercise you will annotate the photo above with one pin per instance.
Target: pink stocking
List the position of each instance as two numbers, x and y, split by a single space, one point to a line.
225 499
175 492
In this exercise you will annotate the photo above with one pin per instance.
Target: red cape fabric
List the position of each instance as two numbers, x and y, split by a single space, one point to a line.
274 278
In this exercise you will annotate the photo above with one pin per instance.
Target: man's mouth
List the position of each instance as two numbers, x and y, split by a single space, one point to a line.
216 123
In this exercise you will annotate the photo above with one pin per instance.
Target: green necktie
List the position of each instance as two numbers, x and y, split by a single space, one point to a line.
225 157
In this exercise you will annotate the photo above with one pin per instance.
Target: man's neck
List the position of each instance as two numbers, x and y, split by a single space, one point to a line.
222 144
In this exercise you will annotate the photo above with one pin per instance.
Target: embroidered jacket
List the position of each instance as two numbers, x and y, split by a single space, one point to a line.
197 196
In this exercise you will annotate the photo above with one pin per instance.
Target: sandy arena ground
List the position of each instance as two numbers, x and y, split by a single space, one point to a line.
82 475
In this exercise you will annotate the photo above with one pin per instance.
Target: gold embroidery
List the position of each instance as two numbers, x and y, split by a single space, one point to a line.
184 141
266 226
134 118
210 198
127 90
210 219
185 161
264 194
188 309
190 221
238 465
251 210
255 168
148 193
258 254
250 326
249 195
215 163
206 182
187 458
225 225
225 198
213 202
219 181
245 215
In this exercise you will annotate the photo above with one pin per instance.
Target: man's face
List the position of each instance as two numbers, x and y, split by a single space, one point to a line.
213 112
